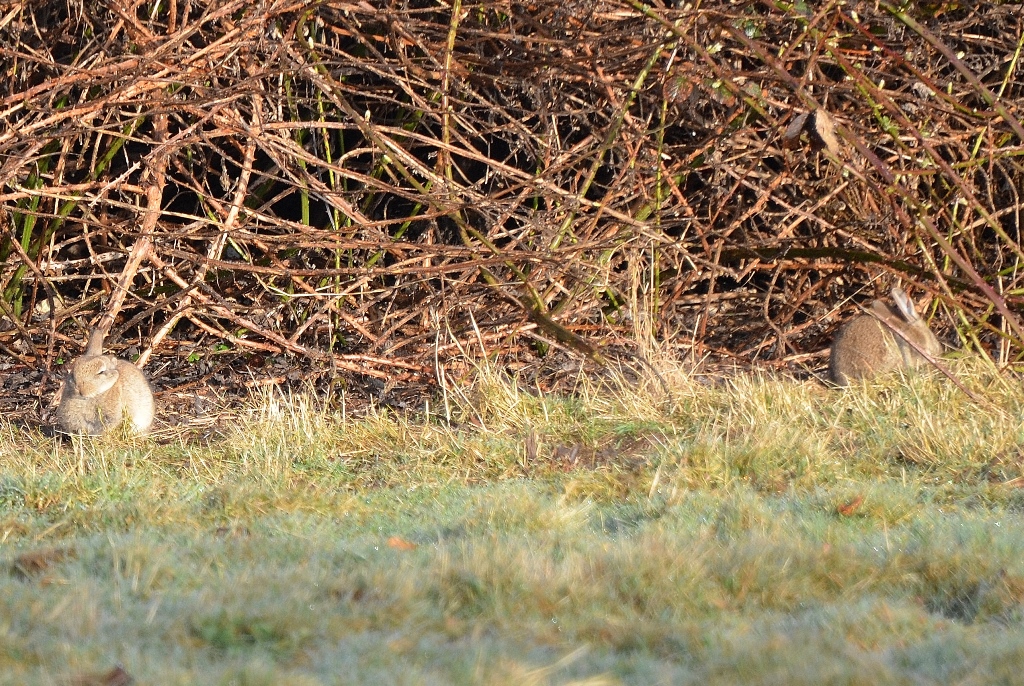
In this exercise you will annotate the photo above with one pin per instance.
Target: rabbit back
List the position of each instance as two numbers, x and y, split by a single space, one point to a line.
135 397
863 348
867 346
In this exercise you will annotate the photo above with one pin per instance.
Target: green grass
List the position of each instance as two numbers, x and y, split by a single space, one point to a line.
760 531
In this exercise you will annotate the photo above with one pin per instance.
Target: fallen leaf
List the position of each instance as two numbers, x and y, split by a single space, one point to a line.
822 132
850 506
403 644
36 562
399 543
791 137
678 89
115 677
232 531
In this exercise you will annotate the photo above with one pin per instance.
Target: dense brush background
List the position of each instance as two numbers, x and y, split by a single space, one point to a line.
381 189
409 200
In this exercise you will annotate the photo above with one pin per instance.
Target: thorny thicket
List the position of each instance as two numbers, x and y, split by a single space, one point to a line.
385 187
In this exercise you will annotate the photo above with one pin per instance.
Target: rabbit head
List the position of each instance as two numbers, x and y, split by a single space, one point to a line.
92 376
886 339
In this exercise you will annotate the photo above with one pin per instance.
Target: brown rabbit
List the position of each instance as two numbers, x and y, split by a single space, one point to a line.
100 390
865 346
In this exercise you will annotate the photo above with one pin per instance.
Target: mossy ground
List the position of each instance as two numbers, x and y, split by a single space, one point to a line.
757 531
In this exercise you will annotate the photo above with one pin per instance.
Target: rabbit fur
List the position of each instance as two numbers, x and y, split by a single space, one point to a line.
101 390
866 346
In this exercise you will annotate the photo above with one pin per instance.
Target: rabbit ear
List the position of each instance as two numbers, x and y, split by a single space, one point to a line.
905 305
95 345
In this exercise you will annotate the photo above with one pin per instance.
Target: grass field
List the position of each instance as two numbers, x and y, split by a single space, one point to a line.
756 531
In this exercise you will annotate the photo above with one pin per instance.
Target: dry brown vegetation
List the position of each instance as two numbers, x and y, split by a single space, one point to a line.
379 188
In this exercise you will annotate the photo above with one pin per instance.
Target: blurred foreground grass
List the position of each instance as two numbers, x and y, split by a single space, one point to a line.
756 531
